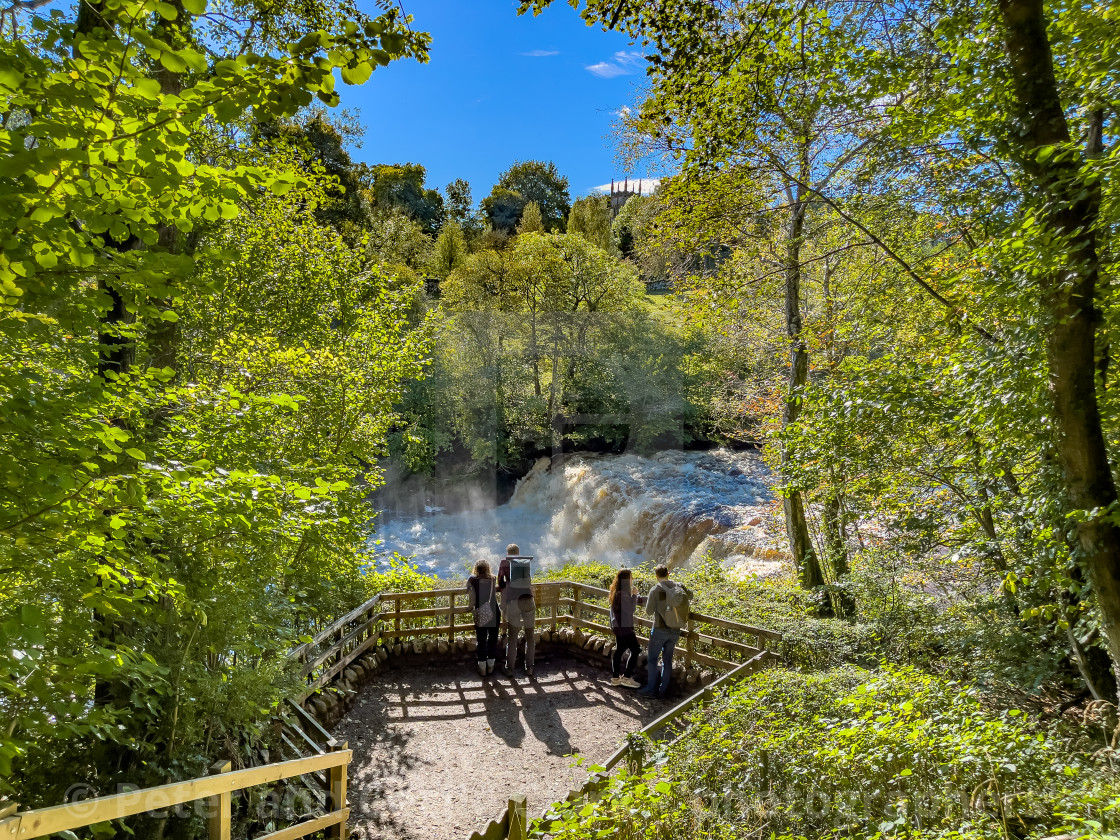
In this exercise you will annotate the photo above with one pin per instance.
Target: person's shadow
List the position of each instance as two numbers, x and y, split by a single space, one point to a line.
503 714
544 720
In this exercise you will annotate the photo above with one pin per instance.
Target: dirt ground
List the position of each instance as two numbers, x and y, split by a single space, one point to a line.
438 750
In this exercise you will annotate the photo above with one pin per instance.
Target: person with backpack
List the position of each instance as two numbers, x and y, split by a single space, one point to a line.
482 590
515 582
623 600
669 603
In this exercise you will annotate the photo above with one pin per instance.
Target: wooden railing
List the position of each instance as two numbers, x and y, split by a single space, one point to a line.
216 790
336 646
721 636
513 824
568 604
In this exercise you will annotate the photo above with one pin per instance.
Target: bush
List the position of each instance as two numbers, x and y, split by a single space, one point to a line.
896 752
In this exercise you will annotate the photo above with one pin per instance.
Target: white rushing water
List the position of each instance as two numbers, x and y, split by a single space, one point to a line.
619 509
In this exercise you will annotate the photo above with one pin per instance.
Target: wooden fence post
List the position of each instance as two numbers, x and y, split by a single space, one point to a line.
397 620
220 817
577 610
451 618
9 822
690 643
518 817
336 790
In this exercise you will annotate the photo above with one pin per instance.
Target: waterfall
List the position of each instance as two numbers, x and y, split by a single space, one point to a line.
620 509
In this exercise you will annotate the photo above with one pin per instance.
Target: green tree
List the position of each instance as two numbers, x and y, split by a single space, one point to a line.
531 180
590 217
450 249
173 554
321 143
461 209
503 207
460 205
400 186
531 219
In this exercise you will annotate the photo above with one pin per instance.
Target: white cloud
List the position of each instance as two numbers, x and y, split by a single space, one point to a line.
540 53
622 63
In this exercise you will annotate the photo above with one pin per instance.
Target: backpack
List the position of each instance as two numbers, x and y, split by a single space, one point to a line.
520 573
676 618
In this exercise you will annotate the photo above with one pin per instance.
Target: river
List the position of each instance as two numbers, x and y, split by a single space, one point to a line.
620 509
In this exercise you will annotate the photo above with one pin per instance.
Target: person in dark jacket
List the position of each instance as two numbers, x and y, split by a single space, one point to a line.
623 600
482 590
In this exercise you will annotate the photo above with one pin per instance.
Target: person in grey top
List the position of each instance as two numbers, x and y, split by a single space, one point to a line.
663 602
519 611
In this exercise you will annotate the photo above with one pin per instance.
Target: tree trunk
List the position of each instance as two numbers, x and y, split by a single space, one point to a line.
535 353
797 529
1070 206
834 538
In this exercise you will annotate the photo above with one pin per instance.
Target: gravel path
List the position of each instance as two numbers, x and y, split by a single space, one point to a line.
438 750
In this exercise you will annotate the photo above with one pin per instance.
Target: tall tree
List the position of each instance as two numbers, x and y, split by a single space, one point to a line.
450 249
504 208
531 219
1062 195
532 180
118 171
1006 138
400 186
590 217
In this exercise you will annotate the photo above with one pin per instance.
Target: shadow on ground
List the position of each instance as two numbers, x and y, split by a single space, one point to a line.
438 750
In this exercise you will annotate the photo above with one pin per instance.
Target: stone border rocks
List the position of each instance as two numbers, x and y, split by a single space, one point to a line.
330 703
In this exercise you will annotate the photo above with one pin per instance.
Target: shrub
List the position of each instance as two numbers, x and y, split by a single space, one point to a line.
890 753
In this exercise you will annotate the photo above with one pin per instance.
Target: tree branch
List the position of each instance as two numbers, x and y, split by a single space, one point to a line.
890 252
25 6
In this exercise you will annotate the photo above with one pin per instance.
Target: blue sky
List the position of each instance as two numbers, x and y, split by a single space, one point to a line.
500 88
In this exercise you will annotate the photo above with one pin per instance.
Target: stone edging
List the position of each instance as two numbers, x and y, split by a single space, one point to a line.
330 703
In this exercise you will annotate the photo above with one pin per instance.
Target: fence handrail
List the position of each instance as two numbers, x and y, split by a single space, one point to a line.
429 594
357 631
705 694
326 632
217 787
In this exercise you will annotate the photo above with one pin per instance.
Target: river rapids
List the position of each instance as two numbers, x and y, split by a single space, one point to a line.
673 507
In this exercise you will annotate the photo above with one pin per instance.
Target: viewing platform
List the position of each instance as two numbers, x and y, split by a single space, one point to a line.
396 736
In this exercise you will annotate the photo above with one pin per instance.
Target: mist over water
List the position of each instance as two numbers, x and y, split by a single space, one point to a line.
619 509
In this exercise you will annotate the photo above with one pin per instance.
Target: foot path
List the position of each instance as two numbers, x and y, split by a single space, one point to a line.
438 749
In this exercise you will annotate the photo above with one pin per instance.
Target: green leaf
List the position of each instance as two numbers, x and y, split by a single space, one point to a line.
357 75
172 62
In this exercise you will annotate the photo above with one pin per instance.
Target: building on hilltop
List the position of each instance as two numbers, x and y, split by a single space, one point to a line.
621 193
